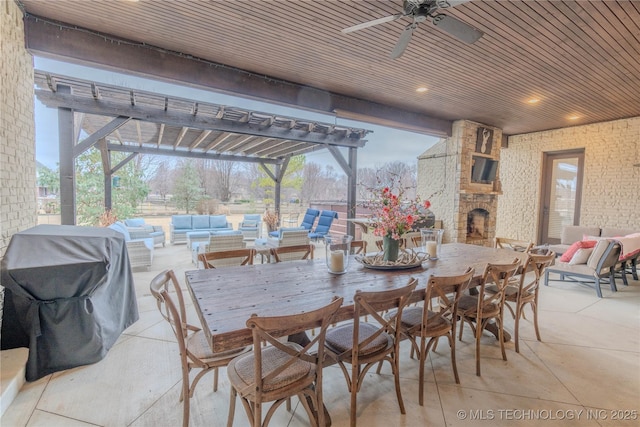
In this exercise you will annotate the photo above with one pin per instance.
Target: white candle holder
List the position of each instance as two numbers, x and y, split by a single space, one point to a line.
337 249
432 241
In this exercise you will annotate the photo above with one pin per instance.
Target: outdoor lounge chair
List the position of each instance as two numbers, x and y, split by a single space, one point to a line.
600 265
324 224
307 221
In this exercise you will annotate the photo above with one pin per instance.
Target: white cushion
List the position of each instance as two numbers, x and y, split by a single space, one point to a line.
581 256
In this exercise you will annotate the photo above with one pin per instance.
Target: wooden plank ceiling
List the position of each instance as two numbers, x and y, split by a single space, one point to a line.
579 59
144 122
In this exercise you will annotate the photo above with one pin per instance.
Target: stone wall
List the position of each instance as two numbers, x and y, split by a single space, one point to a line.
444 177
18 203
611 186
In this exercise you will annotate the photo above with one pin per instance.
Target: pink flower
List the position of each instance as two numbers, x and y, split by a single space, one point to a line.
392 217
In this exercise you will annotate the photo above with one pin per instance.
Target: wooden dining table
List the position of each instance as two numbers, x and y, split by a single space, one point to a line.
225 298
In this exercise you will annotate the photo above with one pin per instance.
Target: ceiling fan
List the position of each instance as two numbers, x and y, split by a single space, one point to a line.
420 11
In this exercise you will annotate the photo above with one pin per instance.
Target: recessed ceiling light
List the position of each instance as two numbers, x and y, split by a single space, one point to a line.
422 89
533 100
573 117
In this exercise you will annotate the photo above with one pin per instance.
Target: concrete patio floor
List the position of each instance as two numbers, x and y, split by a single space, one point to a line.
585 372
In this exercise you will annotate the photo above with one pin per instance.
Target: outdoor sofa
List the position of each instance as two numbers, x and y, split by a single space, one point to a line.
183 224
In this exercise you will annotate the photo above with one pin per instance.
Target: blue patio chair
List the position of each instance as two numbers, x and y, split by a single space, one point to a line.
307 222
324 224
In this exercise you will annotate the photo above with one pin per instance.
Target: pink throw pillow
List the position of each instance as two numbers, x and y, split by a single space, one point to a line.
584 244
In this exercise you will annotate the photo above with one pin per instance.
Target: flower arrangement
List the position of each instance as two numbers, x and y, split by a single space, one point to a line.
392 217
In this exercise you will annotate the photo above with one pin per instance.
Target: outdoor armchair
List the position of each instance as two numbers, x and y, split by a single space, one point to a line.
140 250
251 226
141 230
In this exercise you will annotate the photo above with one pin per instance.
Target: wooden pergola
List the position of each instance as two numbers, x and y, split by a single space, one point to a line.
137 122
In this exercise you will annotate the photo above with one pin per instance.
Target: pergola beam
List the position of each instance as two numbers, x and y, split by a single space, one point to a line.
177 118
86 47
190 154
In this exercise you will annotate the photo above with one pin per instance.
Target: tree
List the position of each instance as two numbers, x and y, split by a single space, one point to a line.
49 179
292 179
90 188
186 189
218 178
161 182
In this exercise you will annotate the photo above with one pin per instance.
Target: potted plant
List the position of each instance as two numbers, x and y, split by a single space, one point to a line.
271 219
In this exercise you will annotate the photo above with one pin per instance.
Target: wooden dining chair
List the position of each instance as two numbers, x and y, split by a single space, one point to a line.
478 310
362 345
280 370
292 253
424 326
513 244
194 349
525 291
358 247
227 258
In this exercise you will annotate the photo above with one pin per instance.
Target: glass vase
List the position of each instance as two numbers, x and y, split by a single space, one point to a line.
337 250
432 241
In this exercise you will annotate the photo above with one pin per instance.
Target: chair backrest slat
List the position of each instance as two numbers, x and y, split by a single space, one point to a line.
232 257
290 253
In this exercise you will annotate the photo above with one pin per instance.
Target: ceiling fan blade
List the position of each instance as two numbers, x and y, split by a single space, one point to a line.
457 28
403 41
450 3
372 23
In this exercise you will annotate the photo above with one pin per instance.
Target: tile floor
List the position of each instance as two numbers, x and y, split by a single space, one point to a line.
585 372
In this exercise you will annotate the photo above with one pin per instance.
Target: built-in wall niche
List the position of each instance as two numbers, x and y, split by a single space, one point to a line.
483 169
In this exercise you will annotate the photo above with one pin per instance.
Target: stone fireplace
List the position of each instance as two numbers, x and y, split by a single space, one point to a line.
459 175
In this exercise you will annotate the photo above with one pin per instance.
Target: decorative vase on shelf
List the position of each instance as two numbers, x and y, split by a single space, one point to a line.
390 248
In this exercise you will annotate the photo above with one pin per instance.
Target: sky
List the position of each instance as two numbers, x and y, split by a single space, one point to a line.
383 145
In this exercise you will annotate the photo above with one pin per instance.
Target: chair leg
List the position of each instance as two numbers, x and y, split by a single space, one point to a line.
534 308
546 277
232 407
423 359
501 336
598 290
396 375
479 328
516 327
215 379
612 279
634 268
452 344
623 272
354 401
